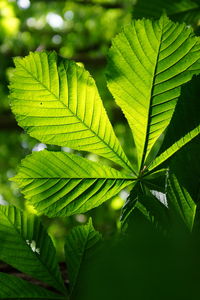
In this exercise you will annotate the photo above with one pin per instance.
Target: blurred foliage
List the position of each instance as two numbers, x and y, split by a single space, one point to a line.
81 30
179 10
143 265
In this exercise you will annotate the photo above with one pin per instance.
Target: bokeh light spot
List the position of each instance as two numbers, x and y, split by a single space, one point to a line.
24 4
54 20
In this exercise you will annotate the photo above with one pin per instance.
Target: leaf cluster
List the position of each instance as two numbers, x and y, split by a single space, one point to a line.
150 68
56 101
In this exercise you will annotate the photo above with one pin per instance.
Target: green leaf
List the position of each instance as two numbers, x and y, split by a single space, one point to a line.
181 202
183 192
26 246
13 287
62 184
185 123
57 102
148 63
156 180
129 205
79 246
152 209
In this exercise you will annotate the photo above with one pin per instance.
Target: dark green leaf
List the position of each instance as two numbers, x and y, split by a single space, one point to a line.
13 287
26 246
79 246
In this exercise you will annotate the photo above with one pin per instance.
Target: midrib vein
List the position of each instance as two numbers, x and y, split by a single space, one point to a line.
77 178
145 145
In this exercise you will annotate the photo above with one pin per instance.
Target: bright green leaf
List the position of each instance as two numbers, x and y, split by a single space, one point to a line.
148 63
62 184
57 102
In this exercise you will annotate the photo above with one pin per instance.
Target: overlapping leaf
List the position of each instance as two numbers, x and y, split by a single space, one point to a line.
79 245
148 63
57 102
61 184
184 185
142 201
185 123
182 193
13 287
181 202
25 245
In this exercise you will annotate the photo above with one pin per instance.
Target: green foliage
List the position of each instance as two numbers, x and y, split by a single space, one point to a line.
61 184
148 63
180 200
184 193
26 246
184 125
79 247
61 106
83 32
145 265
142 201
178 206
56 101
151 65
13 287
